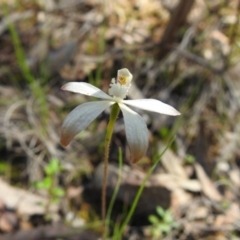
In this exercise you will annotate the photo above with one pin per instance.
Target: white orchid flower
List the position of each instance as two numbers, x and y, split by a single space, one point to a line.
136 129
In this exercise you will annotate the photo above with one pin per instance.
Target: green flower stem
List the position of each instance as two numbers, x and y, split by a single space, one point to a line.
113 117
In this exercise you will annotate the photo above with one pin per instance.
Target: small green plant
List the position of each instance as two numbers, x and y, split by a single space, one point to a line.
163 223
189 159
49 183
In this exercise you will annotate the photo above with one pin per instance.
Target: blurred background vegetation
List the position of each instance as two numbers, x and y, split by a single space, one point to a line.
185 53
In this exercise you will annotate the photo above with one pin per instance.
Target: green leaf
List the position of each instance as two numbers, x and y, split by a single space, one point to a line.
4 167
53 167
58 192
160 211
39 185
156 232
44 184
153 219
168 218
189 159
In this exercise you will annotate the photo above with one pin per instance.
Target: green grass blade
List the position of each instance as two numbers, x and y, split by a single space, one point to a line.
139 193
115 191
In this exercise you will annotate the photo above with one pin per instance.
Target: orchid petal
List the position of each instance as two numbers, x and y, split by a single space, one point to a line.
80 117
86 89
152 105
136 132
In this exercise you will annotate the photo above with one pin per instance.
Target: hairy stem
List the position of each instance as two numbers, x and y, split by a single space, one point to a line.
113 117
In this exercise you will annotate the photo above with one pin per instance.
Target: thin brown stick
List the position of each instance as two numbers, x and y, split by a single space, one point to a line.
177 20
